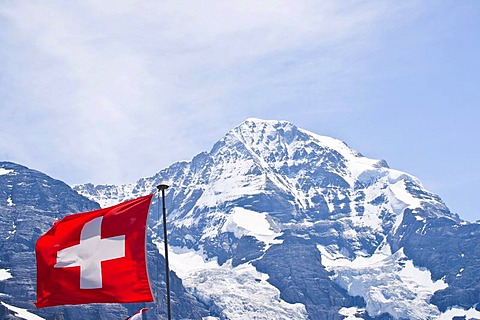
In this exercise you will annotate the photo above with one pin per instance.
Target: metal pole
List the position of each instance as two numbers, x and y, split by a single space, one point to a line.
163 187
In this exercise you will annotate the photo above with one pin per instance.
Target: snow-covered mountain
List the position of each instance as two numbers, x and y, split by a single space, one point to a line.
276 222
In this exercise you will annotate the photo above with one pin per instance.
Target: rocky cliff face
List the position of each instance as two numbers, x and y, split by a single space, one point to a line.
276 222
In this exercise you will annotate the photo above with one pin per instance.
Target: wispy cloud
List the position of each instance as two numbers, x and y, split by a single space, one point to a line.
108 91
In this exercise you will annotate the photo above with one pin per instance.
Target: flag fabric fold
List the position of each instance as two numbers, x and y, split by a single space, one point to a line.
95 257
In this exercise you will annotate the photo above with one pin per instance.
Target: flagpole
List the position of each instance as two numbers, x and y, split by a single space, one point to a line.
163 187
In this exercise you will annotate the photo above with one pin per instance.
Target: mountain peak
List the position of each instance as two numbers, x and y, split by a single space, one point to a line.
271 197
281 144
255 128
250 121
254 131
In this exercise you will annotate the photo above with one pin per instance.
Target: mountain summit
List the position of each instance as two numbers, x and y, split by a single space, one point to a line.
278 222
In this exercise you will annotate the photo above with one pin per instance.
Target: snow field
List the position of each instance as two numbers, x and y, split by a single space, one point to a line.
388 283
243 222
241 292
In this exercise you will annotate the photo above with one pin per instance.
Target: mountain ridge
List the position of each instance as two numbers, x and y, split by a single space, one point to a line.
278 222
305 186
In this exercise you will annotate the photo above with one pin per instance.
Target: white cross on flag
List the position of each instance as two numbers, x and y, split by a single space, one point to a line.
95 257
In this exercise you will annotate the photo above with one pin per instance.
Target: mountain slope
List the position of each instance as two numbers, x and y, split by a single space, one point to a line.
318 230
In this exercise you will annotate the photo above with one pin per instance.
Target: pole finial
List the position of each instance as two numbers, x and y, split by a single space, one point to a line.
163 187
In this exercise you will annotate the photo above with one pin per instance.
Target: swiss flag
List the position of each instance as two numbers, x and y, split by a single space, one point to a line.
95 257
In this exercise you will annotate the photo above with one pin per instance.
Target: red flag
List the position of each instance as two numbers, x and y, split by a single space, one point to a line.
138 315
95 257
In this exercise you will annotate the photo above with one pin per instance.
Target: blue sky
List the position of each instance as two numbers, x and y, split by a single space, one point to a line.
111 91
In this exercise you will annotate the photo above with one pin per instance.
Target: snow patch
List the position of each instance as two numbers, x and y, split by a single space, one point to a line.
10 202
186 261
13 231
388 282
21 313
400 191
5 274
418 218
4 171
459 274
243 222
449 314
364 170
350 313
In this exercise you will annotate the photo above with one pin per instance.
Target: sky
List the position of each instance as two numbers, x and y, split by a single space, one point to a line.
111 91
